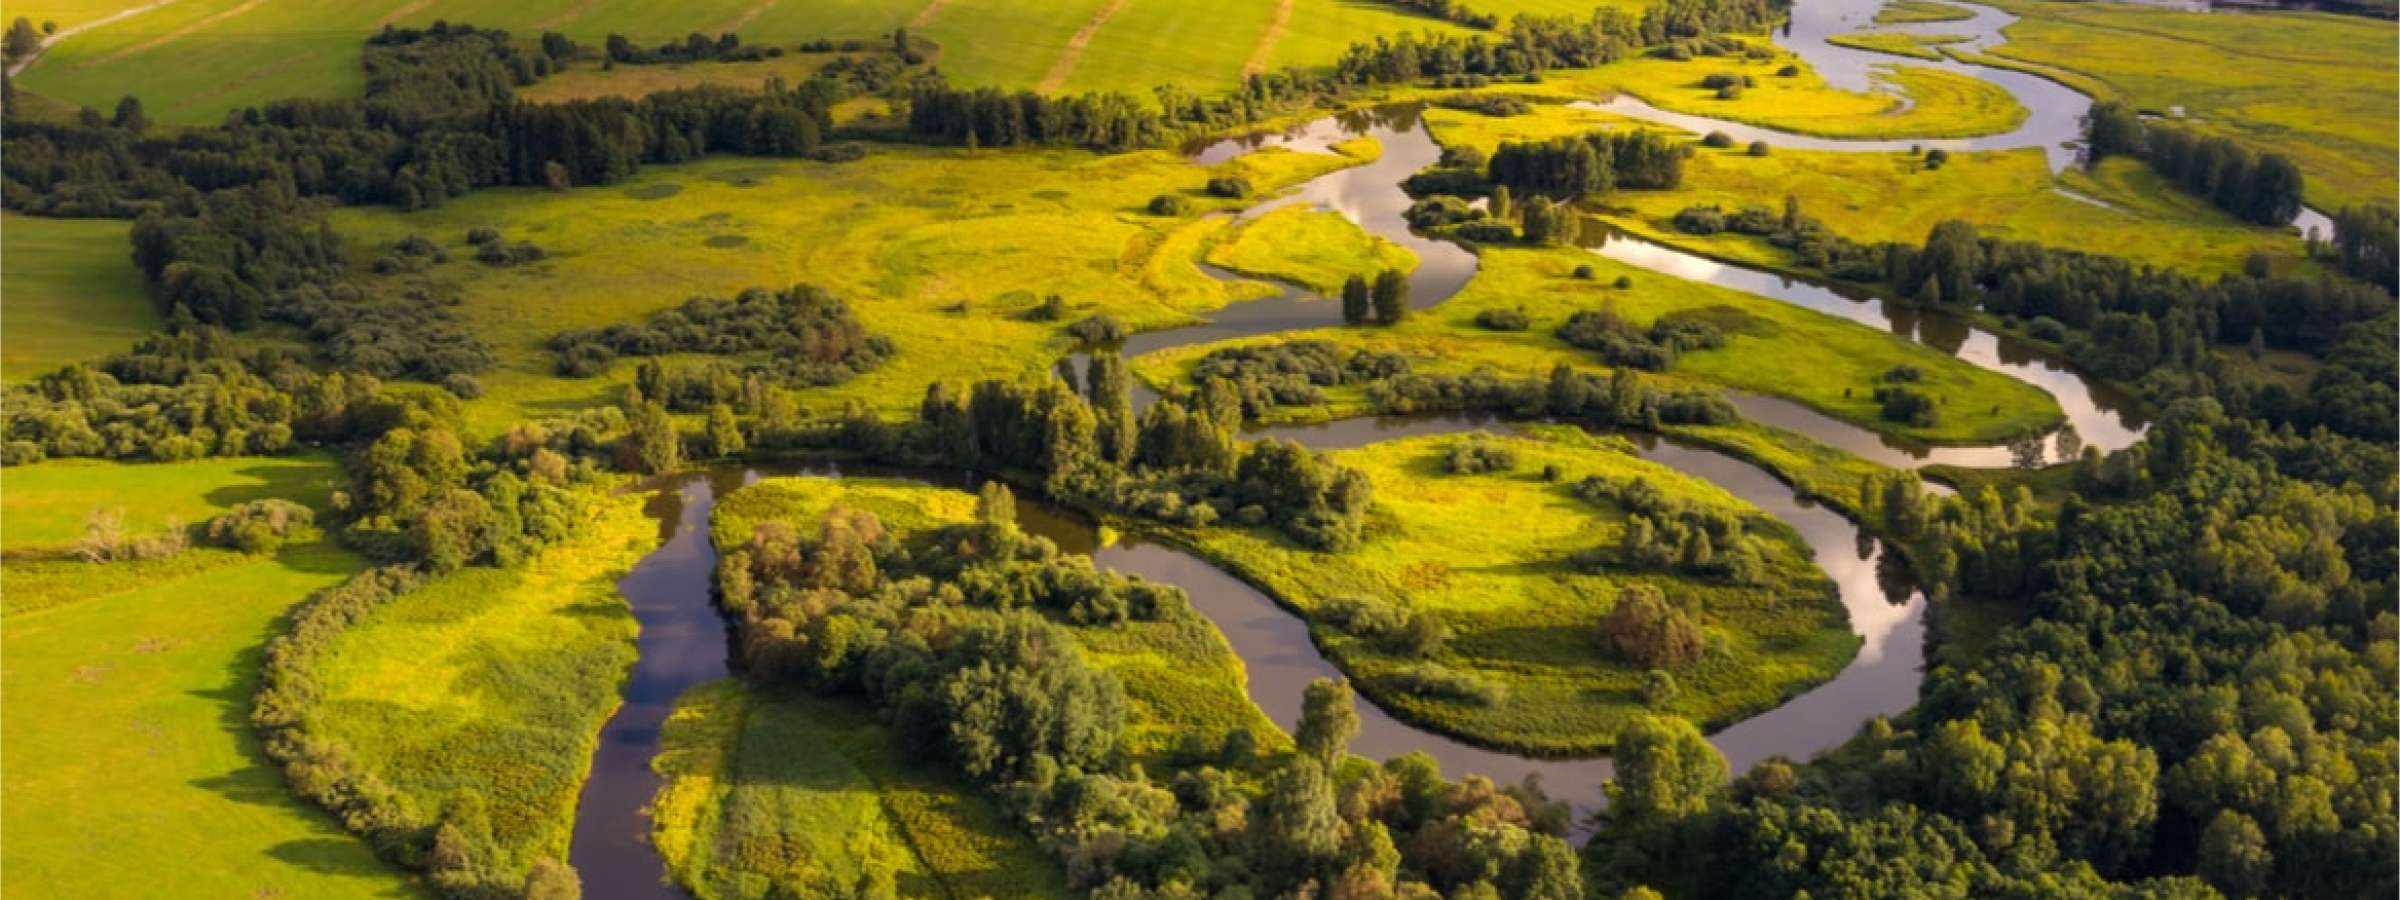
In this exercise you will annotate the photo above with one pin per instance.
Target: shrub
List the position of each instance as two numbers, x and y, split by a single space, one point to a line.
1904 374
1430 680
1231 187
1730 92
1475 455
1099 328
1623 282
261 526
1700 220
1717 139
2044 328
1788 71
1760 148
1644 628
1658 688
482 234
1170 205
462 385
1502 320
1935 157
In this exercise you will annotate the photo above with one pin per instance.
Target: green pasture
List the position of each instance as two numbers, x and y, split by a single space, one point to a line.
68 293
769 790
1489 555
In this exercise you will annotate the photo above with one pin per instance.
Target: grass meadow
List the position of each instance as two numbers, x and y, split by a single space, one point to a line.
1489 555
1315 249
488 686
2317 87
945 251
1911 102
128 689
774 787
1871 197
1179 674
69 293
1919 46
1829 364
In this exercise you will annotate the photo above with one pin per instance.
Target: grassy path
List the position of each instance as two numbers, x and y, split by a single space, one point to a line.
1265 51
1082 38
567 16
925 16
19 66
747 16
176 35
405 10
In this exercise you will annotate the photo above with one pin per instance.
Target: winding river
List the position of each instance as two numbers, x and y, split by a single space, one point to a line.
683 640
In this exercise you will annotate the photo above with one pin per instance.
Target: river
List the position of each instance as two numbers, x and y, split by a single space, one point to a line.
683 640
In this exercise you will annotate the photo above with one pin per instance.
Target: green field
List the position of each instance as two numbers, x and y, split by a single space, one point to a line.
1920 46
1870 197
781 788
69 294
943 251
1900 12
1772 347
1911 102
1489 556
1179 674
488 687
129 695
2320 88
1315 249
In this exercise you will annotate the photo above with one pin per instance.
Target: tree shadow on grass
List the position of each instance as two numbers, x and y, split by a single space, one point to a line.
310 482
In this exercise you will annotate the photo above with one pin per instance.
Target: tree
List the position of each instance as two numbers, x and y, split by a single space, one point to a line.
652 446
553 880
1665 771
1502 206
995 505
22 39
1356 303
2234 855
724 433
453 530
1644 628
1390 297
1328 720
1301 828
129 115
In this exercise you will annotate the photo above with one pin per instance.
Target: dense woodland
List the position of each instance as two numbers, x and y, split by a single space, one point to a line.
2259 187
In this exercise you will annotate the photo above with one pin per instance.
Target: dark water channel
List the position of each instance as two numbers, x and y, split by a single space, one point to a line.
684 642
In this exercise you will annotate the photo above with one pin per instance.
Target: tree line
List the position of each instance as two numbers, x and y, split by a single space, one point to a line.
2263 188
968 635
1534 43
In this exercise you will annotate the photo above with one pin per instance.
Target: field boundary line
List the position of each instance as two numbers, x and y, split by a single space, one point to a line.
1265 50
746 17
1065 66
568 15
175 35
18 67
925 16
412 7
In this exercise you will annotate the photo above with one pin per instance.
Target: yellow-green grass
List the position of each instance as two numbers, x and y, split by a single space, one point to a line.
192 60
2320 88
944 251
585 81
1490 556
1315 249
1911 102
1900 43
767 788
1902 12
1179 675
69 293
1871 197
69 13
489 686
46 505
128 707
1830 364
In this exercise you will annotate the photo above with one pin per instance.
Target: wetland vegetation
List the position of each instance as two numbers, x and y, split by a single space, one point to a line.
1140 450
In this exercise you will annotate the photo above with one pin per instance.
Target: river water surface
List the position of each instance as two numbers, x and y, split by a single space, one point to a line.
683 640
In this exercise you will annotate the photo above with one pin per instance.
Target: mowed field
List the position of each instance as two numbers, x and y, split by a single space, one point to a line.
226 54
2320 88
68 293
128 688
